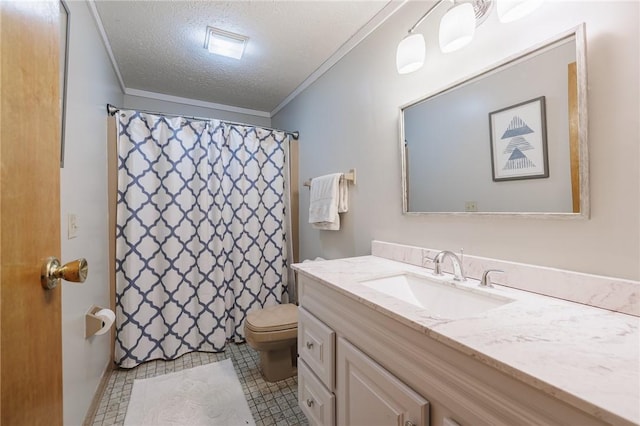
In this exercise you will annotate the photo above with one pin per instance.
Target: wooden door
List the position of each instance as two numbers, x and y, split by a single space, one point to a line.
30 329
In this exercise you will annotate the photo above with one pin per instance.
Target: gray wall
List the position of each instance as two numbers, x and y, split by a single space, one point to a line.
83 191
350 118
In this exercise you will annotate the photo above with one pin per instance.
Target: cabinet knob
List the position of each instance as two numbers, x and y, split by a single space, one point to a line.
309 402
309 345
409 423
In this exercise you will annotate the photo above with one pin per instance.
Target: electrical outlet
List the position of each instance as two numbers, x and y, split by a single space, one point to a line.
72 226
470 206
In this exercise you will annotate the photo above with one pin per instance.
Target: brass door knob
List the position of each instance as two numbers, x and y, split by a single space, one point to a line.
52 271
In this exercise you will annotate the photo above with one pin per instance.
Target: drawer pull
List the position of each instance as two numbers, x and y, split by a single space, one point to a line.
409 423
309 402
309 345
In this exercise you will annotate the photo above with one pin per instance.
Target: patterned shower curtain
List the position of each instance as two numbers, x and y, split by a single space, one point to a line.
200 236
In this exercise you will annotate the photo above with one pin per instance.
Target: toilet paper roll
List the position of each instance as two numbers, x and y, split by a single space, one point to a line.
108 317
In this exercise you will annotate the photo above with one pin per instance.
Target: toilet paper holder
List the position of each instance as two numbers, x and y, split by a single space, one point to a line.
92 323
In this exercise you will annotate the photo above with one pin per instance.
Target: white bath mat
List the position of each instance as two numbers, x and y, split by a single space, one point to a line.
207 395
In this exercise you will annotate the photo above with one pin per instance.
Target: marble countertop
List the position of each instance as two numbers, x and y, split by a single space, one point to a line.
585 356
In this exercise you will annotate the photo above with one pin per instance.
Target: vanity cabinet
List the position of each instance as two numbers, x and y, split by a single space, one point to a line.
383 371
332 377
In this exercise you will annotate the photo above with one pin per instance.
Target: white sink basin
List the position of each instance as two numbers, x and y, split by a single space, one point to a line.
440 299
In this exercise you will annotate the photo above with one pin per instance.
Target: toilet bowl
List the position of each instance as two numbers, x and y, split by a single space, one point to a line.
273 331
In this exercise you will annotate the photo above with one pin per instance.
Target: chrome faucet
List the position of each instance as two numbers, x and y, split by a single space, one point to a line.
458 273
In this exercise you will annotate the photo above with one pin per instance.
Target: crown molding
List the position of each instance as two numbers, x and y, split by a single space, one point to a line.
105 41
154 95
385 13
195 102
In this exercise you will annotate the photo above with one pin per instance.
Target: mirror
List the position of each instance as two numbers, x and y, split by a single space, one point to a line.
510 140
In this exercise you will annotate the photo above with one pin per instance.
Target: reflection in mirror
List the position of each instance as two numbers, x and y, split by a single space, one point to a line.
510 140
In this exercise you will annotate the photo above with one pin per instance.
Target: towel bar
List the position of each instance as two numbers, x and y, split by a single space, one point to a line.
350 176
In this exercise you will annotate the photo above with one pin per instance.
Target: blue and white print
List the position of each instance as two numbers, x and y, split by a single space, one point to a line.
200 236
516 134
519 141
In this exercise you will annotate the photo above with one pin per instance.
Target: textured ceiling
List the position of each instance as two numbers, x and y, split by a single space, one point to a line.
158 45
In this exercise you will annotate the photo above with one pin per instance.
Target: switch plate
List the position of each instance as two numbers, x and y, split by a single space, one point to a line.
72 226
470 206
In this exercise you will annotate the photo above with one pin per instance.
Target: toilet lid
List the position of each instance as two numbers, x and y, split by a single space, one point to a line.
273 318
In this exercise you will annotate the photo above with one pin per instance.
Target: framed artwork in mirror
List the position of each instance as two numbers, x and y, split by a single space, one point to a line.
64 69
518 135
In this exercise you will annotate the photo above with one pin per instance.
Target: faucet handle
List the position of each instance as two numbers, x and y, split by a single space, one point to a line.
464 276
486 279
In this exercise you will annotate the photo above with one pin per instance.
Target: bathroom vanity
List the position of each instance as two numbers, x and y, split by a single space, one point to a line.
369 356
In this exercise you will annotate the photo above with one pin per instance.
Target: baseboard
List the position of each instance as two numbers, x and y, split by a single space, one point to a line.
97 397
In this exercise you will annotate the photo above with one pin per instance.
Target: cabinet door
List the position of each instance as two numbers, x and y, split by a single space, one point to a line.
367 394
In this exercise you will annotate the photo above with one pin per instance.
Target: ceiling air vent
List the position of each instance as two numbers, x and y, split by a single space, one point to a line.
225 43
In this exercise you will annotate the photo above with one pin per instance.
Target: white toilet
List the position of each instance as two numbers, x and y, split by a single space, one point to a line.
273 331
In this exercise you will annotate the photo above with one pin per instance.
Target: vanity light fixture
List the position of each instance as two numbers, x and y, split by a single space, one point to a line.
225 43
457 27
411 50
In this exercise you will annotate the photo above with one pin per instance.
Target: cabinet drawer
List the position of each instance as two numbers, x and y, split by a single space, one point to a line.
316 346
316 402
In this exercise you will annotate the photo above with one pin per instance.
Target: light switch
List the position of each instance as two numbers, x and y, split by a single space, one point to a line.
72 226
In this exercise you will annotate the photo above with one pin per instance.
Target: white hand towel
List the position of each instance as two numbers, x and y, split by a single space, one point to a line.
323 204
343 195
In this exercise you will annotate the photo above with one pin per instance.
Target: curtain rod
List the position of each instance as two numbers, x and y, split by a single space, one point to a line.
112 110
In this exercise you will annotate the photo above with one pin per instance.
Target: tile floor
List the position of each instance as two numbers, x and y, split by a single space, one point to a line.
270 403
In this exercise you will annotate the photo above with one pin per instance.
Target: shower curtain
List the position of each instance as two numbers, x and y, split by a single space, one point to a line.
201 233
